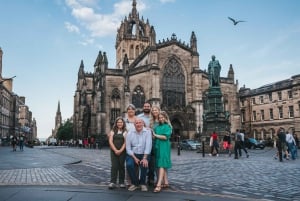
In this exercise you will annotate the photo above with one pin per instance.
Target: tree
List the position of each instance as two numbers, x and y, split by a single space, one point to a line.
65 131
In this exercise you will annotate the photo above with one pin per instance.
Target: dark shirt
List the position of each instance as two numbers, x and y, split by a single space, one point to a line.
281 137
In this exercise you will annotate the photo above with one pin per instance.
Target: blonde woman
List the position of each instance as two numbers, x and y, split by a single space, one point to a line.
162 134
155 110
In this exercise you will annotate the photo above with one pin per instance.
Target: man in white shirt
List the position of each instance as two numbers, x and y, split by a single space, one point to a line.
138 148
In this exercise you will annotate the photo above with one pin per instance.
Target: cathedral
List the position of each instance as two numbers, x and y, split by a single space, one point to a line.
165 73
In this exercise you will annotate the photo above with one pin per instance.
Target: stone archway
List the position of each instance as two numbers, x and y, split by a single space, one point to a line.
177 129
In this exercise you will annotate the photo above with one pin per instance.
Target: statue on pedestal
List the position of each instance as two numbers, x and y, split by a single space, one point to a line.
214 69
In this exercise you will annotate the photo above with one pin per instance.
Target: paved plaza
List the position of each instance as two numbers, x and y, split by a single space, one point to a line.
259 177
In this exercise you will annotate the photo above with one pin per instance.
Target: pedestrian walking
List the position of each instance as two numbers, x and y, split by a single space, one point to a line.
214 144
21 142
162 134
297 144
138 148
291 145
227 143
118 153
14 141
281 144
237 144
242 144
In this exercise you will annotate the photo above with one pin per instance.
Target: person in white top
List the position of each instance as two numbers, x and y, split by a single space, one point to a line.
291 144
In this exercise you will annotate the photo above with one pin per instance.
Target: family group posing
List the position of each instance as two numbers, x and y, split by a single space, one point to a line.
141 149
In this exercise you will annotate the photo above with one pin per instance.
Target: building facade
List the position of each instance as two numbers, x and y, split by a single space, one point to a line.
165 73
272 107
15 116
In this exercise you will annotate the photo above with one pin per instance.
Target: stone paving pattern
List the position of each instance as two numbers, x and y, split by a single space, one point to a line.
259 176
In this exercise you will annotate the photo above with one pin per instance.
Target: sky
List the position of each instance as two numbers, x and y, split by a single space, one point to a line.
44 41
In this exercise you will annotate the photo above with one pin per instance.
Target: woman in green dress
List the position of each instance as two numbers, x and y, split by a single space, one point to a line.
162 134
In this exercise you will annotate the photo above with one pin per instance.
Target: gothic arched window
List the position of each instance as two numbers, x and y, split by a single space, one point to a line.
137 51
138 97
115 105
173 84
131 52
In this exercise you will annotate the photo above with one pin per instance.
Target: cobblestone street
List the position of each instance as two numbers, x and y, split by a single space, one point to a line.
258 177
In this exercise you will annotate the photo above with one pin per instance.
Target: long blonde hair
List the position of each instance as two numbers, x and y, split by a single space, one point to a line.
166 116
152 118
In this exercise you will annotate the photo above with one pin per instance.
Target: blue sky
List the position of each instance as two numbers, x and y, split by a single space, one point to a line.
44 41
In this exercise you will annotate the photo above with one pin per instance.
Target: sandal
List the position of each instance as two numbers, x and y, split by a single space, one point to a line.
165 186
157 189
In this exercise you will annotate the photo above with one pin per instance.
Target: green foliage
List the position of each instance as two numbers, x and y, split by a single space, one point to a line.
65 131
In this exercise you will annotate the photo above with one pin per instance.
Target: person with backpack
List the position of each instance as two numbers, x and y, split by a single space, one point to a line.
239 145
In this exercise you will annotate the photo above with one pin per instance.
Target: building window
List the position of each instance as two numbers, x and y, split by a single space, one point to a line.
270 97
253 101
173 84
261 99
115 105
243 116
242 102
254 116
279 95
280 112
262 115
290 94
271 114
291 111
138 97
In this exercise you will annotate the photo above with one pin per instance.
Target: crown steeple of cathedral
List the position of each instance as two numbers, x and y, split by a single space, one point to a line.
133 36
134 10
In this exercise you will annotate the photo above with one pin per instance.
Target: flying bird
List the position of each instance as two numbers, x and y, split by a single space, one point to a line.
235 22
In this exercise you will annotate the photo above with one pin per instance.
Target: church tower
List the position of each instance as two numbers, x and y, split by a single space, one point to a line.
133 37
58 118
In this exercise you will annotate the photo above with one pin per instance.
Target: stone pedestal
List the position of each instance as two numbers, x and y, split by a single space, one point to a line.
214 117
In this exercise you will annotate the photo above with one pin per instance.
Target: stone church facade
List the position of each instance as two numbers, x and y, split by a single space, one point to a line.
165 73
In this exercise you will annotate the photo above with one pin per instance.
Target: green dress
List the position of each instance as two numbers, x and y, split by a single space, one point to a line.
163 147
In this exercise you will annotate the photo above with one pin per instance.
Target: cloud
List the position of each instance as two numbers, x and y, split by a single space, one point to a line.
99 24
72 28
87 41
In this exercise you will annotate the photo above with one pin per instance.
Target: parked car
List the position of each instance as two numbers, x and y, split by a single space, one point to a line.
189 145
252 143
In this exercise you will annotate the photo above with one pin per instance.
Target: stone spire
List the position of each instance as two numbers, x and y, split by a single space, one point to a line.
58 118
193 42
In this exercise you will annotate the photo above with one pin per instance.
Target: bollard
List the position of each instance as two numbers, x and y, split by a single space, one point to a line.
203 152
178 146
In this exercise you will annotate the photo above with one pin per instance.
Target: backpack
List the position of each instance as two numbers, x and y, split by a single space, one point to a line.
238 137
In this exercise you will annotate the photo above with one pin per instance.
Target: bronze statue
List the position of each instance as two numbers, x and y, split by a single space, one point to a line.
214 69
